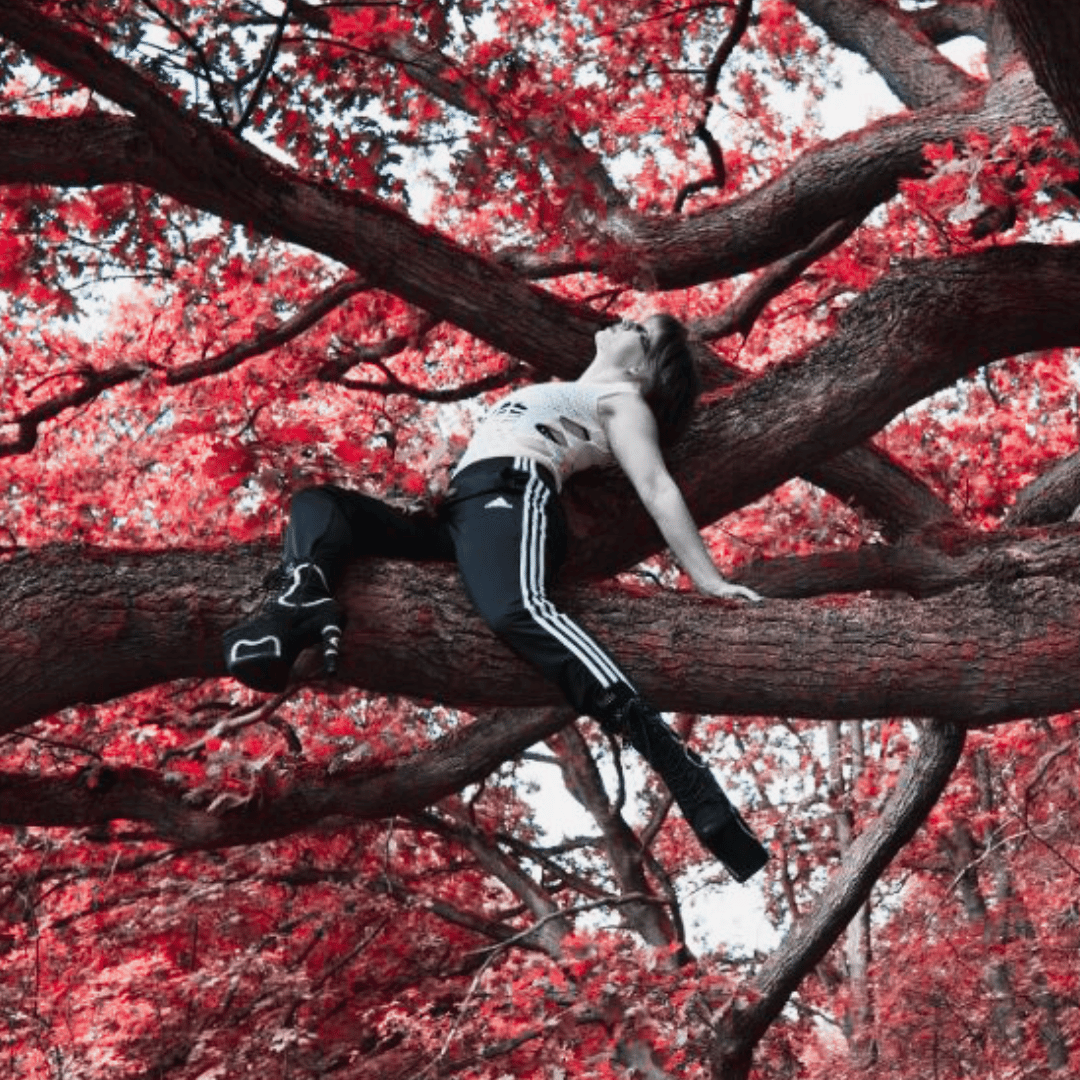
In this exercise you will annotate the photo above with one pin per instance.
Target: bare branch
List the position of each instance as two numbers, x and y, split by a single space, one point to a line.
266 67
738 27
741 314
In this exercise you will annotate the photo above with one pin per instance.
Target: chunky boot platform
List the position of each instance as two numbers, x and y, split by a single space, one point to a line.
716 823
299 613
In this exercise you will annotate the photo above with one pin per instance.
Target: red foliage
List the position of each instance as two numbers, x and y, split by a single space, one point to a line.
181 375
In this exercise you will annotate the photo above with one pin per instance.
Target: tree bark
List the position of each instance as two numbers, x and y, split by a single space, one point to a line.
895 46
1048 32
88 627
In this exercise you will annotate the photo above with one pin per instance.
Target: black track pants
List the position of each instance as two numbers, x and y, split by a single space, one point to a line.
503 523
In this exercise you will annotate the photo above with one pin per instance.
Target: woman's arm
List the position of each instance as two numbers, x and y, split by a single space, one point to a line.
632 434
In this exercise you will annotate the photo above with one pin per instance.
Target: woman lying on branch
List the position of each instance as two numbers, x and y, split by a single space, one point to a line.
503 523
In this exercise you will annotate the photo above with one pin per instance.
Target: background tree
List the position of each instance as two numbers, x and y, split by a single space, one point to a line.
250 244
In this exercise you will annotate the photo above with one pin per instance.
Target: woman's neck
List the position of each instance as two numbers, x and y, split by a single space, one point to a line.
602 370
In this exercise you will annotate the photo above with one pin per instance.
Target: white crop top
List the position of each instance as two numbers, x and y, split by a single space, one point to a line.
556 424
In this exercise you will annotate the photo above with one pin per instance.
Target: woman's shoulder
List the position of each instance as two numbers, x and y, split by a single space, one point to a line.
617 396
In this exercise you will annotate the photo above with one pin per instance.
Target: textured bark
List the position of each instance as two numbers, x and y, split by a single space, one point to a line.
1048 32
925 566
895 46
1052 497
83 627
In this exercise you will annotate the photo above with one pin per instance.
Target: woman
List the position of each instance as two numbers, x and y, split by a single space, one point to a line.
502 521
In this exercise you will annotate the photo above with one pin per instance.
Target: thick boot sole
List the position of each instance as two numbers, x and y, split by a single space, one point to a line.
730 840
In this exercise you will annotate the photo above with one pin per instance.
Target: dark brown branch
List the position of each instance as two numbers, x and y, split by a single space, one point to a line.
1048 31
913 333
920 568
266 67
200 57
185 157
1051 497
946 21
741 314
173 814
894 45
718 178
94 383
266 340
391 384
623 850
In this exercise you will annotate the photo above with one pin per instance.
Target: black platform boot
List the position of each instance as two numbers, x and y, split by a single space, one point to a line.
299 613
715 822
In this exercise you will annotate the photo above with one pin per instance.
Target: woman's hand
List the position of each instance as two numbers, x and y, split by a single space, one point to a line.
728 590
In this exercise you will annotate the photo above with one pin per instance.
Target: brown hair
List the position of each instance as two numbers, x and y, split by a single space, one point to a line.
675 382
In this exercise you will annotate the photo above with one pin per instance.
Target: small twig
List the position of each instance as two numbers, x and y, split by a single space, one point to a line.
265 69
712 78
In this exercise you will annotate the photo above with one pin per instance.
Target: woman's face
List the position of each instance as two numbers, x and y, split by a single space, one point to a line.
625 345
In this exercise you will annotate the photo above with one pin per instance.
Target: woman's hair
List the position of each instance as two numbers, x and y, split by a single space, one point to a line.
676 382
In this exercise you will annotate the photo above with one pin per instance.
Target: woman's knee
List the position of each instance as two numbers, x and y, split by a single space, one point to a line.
507 619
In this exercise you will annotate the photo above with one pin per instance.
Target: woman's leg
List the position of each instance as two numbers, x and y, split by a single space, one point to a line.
508 531
509 535
327 527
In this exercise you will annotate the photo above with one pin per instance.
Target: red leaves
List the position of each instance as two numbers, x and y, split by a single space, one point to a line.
981 188
230 465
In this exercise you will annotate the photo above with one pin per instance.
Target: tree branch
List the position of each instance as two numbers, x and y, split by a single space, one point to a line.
266 67
1049 34
94 383
622 847
738 28
894 45
741 314
310 795
929 566
88 627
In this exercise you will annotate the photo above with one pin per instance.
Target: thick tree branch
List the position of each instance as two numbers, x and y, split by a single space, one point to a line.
1051 497
909 336
85 627
955 18
895 46
1048 32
